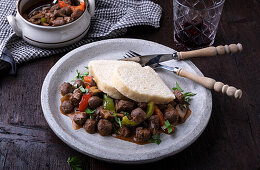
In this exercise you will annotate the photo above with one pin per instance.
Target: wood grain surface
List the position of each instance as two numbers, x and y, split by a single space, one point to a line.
230 141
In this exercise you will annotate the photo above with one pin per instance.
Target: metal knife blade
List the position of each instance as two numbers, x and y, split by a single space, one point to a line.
151 59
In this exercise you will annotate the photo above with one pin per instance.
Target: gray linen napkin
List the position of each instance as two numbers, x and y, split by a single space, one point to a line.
112 18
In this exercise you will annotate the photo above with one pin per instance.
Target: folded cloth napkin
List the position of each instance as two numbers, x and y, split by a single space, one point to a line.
112 18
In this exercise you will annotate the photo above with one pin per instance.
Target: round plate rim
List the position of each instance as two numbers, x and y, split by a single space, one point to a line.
44 104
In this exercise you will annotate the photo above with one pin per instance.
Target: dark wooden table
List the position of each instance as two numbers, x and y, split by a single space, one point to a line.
230 141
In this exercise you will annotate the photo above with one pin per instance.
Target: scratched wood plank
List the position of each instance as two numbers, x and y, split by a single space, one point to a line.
230 141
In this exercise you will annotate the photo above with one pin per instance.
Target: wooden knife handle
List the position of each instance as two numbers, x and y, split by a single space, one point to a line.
211 51
211 84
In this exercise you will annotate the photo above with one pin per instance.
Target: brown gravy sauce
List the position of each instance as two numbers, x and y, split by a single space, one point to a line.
129 139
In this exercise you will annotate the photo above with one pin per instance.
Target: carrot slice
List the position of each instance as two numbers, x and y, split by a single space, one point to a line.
81 7
88 79
158 112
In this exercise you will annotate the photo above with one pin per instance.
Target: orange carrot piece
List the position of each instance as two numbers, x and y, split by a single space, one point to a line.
158 112
88 79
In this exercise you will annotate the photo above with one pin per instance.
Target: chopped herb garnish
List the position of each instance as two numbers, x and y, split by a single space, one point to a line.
117 120
187 95
82 89
76 86
177 87
82 75
77 75
88 111
75 163
167 126
155 139
86 67
85 74
125 113
116 131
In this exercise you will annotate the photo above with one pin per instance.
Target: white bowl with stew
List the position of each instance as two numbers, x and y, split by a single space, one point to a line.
51 36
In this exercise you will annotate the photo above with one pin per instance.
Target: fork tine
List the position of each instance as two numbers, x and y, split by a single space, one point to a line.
128 55
134 53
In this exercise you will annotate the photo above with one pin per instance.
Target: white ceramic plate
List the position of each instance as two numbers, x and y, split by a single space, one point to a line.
109 148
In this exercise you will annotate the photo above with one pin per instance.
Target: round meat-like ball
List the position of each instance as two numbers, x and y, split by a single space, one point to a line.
138 115
80 118
104 127
76 97
142 134
66 107
66 88
124 131
90 126
124 105
94 102
78 83
171 114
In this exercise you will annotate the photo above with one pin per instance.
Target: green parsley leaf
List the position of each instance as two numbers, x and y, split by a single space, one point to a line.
187 97
86 67
189 94
167 126
82 89
88 111
90 117
76 86
75 163
117 119
125 113
85 74
116 131
77 75
177 87
155 139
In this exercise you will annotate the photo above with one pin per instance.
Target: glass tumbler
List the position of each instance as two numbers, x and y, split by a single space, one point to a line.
196 22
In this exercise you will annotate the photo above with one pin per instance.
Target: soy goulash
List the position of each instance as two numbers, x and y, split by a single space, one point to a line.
64 12
138 122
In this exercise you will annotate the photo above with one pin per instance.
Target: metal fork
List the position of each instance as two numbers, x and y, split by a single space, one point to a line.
131 54
203 52
204 81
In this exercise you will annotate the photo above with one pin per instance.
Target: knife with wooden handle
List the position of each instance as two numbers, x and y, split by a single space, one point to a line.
207 82
211 84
